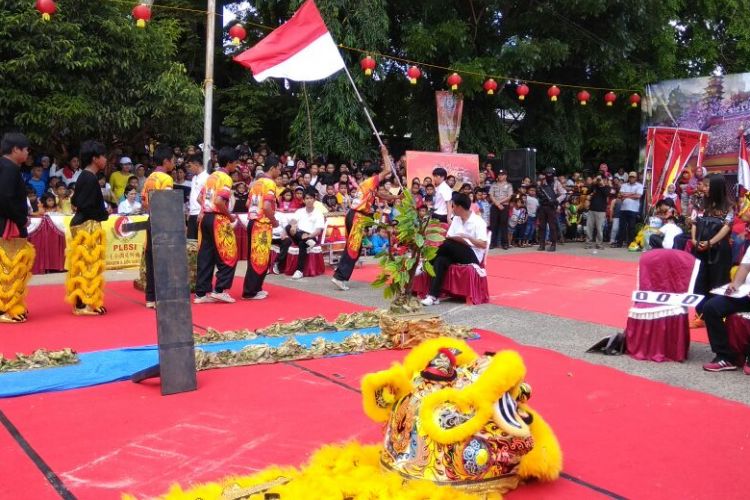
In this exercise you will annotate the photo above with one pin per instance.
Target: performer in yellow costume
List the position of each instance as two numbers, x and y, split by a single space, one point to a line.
16 254
217 245
261 214
84 285
159 179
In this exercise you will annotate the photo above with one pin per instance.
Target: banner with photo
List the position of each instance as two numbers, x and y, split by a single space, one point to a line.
450 108
465 167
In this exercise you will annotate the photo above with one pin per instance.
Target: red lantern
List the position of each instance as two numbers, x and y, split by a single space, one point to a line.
368 64
490 86
583 97
142 13
454 80
553 92
635 100
522 91
413 73
238 33
46 8
610 98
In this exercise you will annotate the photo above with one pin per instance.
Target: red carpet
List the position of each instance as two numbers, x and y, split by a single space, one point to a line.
128 323
624 434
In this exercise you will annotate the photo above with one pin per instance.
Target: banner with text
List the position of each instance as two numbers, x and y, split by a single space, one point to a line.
464 167
123 248
450 108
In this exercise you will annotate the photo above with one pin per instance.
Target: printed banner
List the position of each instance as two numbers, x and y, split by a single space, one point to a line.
450 107
464 167
123 248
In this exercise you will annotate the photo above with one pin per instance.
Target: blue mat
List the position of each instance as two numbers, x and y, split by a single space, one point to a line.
102 367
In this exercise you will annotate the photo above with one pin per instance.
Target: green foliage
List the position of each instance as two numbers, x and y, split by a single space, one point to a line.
90 72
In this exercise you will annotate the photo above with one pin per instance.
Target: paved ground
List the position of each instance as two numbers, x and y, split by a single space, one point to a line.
566 336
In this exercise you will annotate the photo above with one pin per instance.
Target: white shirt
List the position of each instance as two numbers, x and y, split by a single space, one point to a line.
73 179
474 227
669 230
196 184
125 207
443 194
628 204
532 205
309 222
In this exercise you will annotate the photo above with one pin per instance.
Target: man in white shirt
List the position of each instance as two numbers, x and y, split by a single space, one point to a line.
630 193
442 204
129 206
195 164
306 225
465 243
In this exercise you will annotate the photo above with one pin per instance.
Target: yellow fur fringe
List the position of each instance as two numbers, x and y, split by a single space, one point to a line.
545 460
391 385
86 261
16 260
343 471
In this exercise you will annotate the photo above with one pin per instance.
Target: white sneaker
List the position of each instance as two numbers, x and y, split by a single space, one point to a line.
260 295
297 275
340 284
430 301
276 269
419 270
206 299
311 243
222 297
150 305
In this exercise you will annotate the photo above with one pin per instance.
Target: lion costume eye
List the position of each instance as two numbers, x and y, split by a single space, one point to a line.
505 415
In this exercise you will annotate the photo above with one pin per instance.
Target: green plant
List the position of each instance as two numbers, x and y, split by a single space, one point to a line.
416 241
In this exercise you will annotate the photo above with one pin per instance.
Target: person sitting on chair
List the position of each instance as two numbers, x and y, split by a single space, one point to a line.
464 243
306 226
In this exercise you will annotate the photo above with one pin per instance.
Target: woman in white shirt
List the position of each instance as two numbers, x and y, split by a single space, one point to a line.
129 206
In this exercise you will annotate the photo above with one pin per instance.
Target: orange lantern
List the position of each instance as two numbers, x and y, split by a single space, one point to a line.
553 92
490 86
583 97
635 100
522 91
454 80
141 13
238 34
610 98
46 8
368 65
413 73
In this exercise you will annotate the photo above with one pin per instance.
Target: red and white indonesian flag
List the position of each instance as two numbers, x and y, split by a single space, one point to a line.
301 49
743 167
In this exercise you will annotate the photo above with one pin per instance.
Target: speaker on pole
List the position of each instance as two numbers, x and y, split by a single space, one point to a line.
519 163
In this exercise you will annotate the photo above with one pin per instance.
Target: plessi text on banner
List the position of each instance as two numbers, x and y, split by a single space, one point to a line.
667 299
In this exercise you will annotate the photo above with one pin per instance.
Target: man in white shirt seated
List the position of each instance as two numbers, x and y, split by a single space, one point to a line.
306 225
465 243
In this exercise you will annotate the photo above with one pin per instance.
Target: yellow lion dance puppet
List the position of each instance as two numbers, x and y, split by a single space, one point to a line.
16 261
457 426
86 260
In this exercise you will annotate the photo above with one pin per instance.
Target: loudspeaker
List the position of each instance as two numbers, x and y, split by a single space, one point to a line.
519 163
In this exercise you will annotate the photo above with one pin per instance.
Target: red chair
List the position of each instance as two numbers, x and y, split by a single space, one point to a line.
465 281
314 266
661 333
738 331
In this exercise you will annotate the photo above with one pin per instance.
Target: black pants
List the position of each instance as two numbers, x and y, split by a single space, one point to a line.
450 252
628 221
441 218
208 258
499 226
301 243
547 215
192 227
716 265
253 281
346 264
715 310
149 251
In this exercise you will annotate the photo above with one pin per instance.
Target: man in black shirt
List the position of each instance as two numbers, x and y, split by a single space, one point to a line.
16 254
85 284
597 211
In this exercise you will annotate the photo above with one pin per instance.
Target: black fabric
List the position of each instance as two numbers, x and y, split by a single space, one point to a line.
656 241
441 218
715 310
13 207
285 244
149 252
346 264
598 199
253 281
499 226
88 200
547 196
208 258
450 252
627 231
192 227
547 215
713 273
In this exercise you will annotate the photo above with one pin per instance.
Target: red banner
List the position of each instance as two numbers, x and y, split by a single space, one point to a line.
668 151
464 167
450 107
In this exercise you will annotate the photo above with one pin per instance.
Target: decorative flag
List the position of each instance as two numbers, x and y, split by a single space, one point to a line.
450 108
301 49
669 150
743 167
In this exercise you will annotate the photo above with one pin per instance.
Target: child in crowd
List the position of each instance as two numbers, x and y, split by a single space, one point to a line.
343 198
298 199
49 204
32 202
240 197
416 192
518 217
380 242
63 200
285 202
330 201
429 196
36 182
665 235
532 205
480 194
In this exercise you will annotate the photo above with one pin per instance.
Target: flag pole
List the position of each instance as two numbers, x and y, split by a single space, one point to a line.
208 84
372 124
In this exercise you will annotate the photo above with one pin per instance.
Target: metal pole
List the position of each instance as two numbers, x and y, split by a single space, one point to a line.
208 83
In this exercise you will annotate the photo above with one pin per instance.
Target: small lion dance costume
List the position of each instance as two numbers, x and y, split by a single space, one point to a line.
16 260
458 426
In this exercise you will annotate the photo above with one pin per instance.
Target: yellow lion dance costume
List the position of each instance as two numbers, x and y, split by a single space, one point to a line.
16 260
85 282
457 426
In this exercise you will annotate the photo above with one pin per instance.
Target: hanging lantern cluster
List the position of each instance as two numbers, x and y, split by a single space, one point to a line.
490 86
238 34
46 8
413 73
142 14
368 64
454 80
